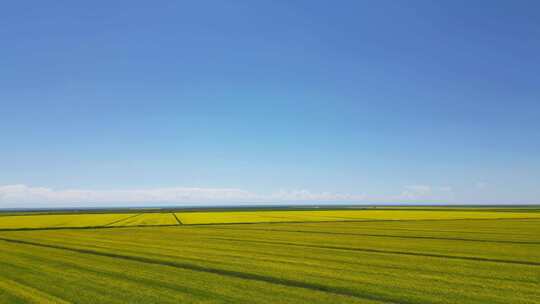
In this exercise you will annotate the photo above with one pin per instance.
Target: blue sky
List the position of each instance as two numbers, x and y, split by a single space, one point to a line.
222 101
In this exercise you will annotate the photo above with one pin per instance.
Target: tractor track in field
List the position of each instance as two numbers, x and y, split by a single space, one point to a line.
223 272
122 219
270 222
177 219
86 228
387 236
397 252
453 231
369 221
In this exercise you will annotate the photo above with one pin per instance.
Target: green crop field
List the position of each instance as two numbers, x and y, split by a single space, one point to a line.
390 255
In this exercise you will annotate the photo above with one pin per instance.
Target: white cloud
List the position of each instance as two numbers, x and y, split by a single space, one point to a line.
12 196
480 185
426 193
306 195
20 196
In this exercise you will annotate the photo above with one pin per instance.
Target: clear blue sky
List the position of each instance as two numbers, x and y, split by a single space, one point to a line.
420 101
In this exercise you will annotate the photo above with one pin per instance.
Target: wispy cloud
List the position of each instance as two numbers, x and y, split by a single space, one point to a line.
20 195
480 185
23 195
426 193
306 195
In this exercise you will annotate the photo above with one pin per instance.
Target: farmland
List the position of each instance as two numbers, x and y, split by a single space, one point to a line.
397 255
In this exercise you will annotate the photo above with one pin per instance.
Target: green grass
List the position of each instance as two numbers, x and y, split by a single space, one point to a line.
395 256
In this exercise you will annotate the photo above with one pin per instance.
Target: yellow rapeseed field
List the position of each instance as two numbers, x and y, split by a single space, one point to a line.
338 215
60 220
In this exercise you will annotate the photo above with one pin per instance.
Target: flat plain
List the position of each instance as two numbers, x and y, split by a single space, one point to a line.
394 255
